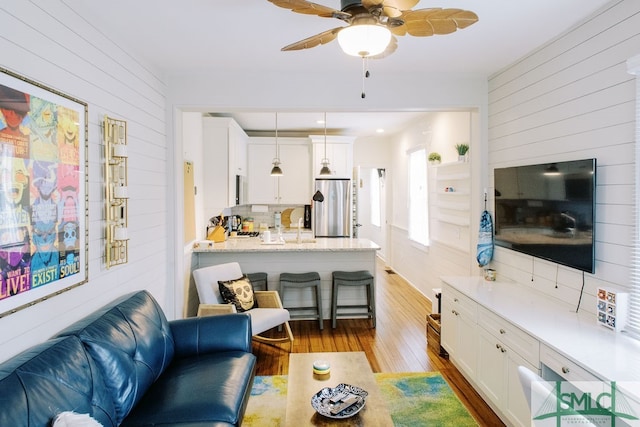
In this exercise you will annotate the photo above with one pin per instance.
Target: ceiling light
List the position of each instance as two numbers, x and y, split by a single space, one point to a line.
276 170
325 171
380 130
364 39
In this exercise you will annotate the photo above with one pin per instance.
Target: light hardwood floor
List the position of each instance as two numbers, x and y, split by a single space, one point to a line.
397 344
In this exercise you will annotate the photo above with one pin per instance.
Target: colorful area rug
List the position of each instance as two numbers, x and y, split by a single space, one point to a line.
414 399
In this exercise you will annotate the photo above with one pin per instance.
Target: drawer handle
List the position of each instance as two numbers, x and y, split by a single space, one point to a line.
502 331
501 348
455 300
565 370
455 312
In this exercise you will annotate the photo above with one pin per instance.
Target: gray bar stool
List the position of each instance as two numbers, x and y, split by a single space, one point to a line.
303 280
258 281
353 278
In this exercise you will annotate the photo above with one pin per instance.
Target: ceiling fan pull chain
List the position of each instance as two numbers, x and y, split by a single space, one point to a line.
365 73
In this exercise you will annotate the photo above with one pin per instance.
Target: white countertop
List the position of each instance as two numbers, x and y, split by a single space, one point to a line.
605 353
320 244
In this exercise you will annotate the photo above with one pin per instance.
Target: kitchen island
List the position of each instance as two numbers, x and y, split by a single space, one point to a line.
323 255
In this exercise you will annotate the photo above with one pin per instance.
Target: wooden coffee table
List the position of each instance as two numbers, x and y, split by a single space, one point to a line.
346 367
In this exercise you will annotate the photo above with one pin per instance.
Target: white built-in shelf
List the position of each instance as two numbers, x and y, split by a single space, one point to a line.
462 206
451 209
461 221
453 176
454 193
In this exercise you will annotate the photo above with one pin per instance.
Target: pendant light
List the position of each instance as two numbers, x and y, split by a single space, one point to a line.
325 171
276 170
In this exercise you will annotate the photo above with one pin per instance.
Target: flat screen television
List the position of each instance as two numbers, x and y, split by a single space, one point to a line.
547 211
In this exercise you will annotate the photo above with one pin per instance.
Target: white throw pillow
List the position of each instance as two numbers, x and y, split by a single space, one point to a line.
72 419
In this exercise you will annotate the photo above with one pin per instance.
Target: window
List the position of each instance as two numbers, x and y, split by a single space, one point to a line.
418 202
375 180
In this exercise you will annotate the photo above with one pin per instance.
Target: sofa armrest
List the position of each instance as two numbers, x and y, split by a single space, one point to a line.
201 335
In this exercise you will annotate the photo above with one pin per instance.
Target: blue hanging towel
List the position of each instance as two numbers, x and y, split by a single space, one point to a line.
485 239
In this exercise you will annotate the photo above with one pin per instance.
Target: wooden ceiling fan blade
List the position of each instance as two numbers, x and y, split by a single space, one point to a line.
309 8
313 41
391 8
428 22
464 18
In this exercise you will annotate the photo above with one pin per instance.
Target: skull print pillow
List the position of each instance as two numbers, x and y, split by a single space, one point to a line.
238 292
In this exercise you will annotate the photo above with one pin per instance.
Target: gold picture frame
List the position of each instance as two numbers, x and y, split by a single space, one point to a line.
43 192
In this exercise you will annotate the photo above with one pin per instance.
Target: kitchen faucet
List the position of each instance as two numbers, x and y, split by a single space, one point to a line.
299 238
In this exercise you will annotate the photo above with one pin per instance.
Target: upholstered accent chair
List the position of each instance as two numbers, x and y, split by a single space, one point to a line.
268 314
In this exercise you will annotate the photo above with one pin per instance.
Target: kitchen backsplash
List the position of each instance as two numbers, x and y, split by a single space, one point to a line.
289 214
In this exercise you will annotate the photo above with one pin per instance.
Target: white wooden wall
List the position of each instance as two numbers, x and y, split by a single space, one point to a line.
573 99
48 42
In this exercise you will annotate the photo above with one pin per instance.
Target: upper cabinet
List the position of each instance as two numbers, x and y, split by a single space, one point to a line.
237 150
339 152
224 151
294 186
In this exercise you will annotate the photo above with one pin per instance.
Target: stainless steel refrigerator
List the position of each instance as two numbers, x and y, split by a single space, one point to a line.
331 208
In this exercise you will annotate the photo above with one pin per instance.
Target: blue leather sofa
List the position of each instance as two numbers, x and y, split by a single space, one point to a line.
126 365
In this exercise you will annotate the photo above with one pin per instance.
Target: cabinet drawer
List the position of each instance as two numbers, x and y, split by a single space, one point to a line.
459 304
562 366
515 338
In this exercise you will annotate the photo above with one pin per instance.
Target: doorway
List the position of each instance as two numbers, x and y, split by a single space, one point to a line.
371 199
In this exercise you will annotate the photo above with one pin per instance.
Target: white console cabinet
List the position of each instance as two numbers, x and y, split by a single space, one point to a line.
492 328
502 348
460 337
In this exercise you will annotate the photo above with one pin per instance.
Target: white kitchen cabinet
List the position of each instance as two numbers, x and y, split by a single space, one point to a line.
459 330
339 151
238 141
294 186
502 347
224 157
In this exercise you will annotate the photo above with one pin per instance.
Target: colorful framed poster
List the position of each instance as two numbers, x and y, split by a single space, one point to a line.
43 203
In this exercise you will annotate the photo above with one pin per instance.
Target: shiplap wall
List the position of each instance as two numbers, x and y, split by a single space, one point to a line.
571 99
423 266
48 42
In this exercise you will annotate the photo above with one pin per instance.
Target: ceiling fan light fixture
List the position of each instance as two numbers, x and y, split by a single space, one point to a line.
364 39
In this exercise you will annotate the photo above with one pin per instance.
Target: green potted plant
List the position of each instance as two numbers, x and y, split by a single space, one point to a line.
462 150
434 158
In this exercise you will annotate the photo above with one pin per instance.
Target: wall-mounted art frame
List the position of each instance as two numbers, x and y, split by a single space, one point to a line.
43 192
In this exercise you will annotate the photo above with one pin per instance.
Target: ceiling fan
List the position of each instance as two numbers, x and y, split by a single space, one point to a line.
373 24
